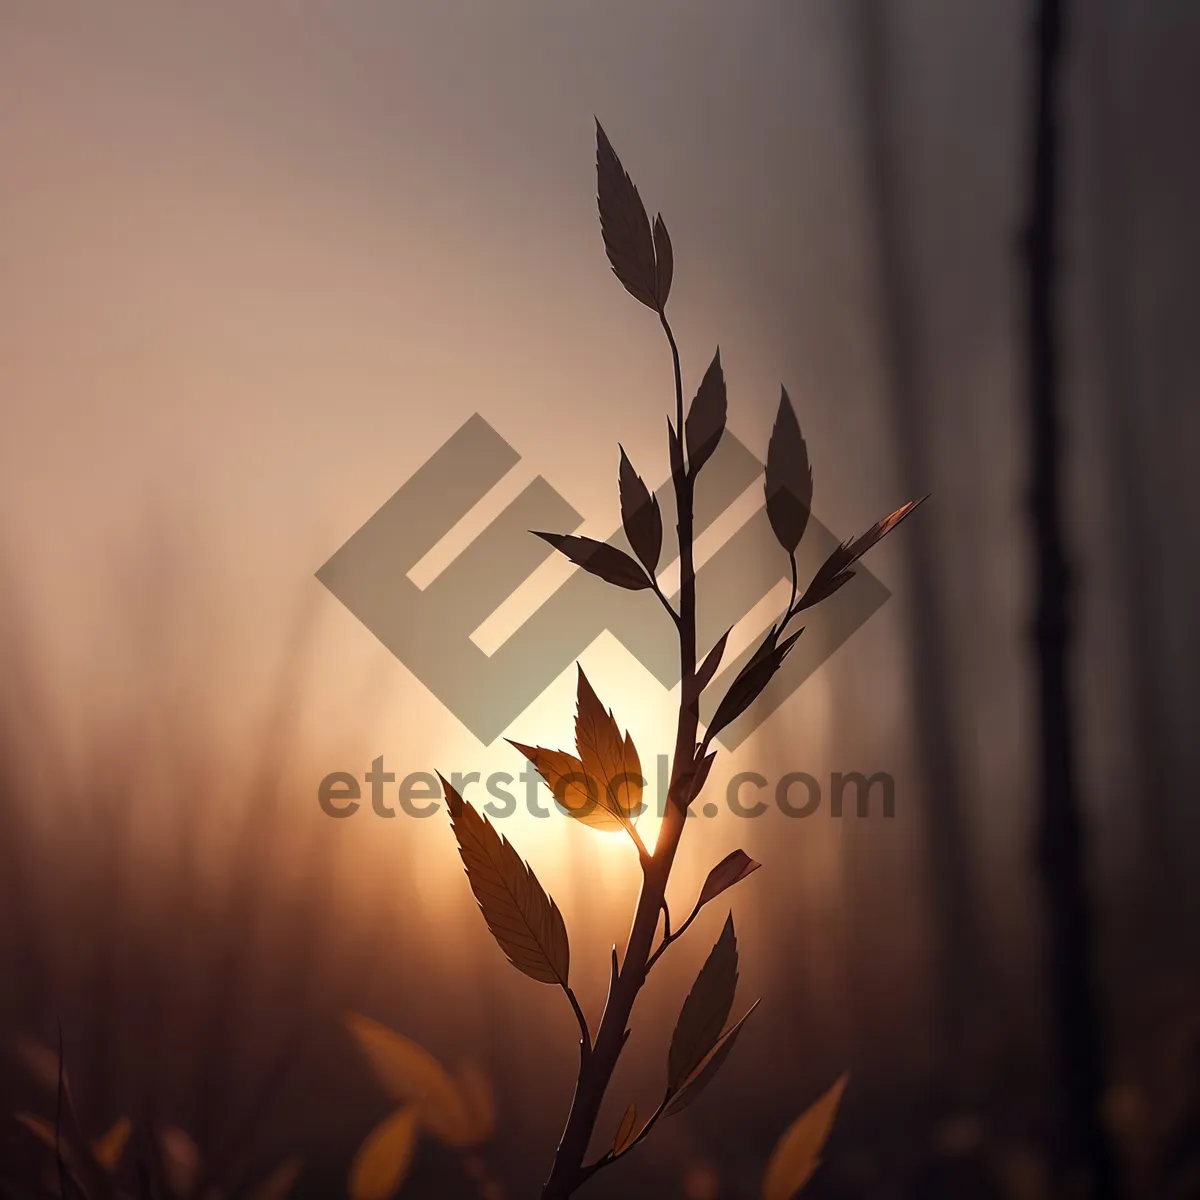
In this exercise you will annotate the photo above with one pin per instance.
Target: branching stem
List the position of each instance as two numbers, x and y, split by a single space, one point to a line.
595 1070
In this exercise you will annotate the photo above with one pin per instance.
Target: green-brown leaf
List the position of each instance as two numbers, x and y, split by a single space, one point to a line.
705 1010
835 570
522 918
625 1130
599 558
706 1072
664 265
409 1074
706 418
733 868
382 1162
798 1152
640 515
628 239
789 482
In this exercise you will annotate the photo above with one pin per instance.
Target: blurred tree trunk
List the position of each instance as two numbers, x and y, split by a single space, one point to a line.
1129 514
1060 833
954 891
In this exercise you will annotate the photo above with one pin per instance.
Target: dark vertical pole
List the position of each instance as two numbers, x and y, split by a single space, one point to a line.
1130 517
1060 834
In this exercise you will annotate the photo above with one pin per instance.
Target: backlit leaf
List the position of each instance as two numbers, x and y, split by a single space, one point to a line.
599 558
607 757
523 919
706 418
705 1010
789 483
706 1072
623 222
664 265
573 788
602 787
640 515
410 1075
110 1146
733 868
625 1130
798 1153
834 571
476 1091
382 1162
750 683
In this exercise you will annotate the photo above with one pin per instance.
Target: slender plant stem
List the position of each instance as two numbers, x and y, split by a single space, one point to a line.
568 1171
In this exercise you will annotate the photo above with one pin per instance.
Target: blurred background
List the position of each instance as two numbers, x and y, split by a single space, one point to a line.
261 260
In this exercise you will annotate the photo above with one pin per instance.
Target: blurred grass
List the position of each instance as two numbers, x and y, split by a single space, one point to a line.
173 897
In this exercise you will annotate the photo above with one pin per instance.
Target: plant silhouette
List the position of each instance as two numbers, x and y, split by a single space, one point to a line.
600 785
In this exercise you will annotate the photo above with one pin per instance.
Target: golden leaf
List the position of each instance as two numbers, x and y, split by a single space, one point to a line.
411 1075
625 1130
798 1153
606 756
602 787
108 1148
571 785
476 1091
383 1160
523 919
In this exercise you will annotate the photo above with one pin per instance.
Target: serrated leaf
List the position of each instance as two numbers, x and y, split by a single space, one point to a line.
707 1070
607 757
409 1074
733 868
110 1146
280 1182
706 418
576 792
834 571
383 1160
750 683
598 558
798 1152
640 515
664 262
625 1130
628 239
705 1010
524 921
602 787
789 483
